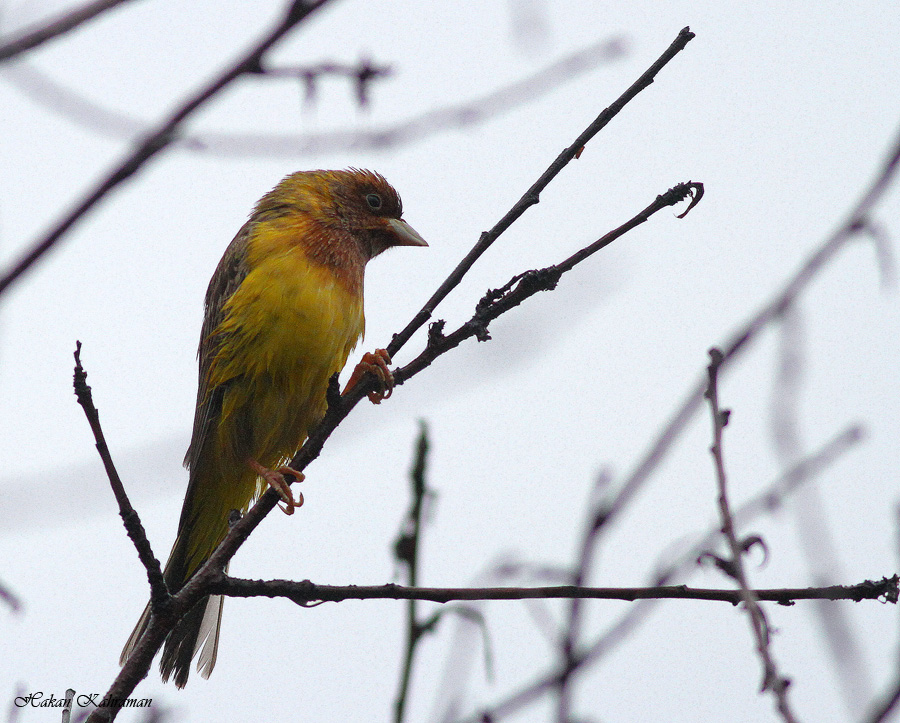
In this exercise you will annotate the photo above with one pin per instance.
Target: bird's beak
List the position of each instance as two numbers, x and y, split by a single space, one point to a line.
404 234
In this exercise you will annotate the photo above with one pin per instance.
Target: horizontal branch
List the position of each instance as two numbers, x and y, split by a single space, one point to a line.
306 592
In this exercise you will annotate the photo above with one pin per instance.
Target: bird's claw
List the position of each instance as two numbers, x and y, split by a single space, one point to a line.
377 363
275 480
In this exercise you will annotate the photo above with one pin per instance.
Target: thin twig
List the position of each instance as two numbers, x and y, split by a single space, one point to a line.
160 137
772 679
30 39
305 592
407 552
525 285
532 195
159 593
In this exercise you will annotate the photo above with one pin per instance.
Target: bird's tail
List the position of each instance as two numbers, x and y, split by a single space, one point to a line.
203 525
198 631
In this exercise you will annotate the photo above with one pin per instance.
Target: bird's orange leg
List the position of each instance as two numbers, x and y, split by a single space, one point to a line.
377 363
276 481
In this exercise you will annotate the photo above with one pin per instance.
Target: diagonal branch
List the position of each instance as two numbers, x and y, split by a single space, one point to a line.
532 195
63 24
161 136
159 593
525 285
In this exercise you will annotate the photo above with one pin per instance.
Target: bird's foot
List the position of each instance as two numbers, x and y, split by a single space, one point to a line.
275 479
377 364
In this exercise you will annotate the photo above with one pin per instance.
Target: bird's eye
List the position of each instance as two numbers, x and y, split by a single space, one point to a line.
374 201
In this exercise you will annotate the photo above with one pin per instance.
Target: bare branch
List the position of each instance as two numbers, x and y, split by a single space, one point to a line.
30 39
532 195
159 593
305 592
497 302
406 550
734 564
770 499
160 137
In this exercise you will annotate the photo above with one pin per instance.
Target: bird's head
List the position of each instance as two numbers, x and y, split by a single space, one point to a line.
341 209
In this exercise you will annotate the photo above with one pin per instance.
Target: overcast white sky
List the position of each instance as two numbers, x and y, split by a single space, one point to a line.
783 111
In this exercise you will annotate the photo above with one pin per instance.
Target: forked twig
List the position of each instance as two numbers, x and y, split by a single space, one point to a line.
772 679
81 110
532 195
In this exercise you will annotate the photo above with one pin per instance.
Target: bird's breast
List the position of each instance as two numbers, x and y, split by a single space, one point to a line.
290 320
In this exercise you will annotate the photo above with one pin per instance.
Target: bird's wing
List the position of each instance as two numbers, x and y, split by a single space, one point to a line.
229 274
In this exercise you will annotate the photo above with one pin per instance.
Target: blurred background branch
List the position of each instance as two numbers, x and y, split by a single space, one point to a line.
31 38
80 110
160 137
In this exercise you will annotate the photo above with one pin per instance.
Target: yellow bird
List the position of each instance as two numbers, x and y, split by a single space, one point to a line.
284 309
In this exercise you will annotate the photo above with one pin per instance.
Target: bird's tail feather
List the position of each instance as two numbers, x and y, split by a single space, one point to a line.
198 631
201 529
